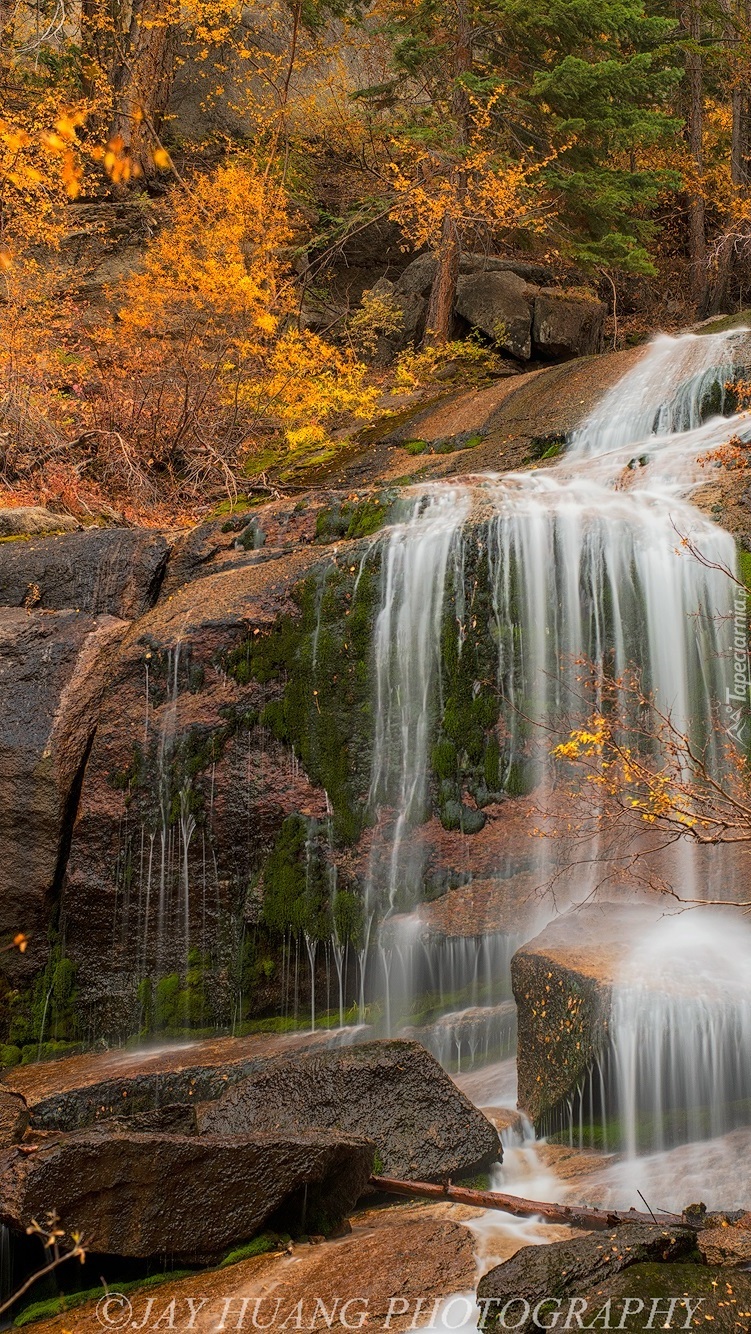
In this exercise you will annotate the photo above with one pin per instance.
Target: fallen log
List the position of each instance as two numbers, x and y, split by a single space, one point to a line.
590 1220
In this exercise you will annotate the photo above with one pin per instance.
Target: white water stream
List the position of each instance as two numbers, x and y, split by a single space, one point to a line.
584 562
579 563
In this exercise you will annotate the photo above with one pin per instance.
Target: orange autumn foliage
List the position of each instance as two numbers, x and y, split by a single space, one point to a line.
203 365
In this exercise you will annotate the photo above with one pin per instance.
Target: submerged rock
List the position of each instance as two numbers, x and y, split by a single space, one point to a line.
573 1268
424 1128
183 1197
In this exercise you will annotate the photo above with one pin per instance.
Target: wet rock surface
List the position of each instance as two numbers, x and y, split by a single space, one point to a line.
395 1092
14 1118
575 1268
726 1245
103 571
54 668
192 1198
153 1082
562 983
392 1259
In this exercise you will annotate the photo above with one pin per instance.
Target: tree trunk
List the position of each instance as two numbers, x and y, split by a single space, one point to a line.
448 254
695 125
740 151
592 1220
142 82
443 291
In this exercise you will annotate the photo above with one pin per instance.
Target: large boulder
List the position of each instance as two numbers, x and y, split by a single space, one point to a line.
529 270
418 277
424 1128
178 1196
411 307
562 982
500 305
103 571
571 1268
567 324
53 670
153 1087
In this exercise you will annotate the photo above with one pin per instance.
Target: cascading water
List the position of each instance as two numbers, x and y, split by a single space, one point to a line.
681 1033
534 574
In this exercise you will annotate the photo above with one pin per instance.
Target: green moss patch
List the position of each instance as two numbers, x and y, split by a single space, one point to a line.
260 1245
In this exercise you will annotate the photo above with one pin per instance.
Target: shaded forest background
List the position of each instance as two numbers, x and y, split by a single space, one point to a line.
198 200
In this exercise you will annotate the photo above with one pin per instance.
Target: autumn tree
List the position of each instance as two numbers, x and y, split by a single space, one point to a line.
559 111
633 783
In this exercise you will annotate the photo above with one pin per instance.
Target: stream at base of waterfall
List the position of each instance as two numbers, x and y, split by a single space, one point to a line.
589 561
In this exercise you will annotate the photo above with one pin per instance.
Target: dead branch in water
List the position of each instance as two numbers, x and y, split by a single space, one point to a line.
591 1220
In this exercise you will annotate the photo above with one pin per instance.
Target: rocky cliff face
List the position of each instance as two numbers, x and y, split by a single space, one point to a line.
186 742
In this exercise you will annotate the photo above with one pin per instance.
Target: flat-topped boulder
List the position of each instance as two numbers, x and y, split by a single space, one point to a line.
80 1090
183 1197
395 1092
562 982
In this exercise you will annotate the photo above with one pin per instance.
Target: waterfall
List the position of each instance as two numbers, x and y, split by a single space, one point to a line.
681 1033
530 575
407 661
676 387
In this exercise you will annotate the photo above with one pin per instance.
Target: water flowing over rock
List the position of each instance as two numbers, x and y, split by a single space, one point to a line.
634 1028
309 791
681 1033
495 591
189 1198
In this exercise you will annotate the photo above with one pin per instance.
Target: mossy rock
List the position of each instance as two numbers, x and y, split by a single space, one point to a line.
353 520
542 447
455 815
